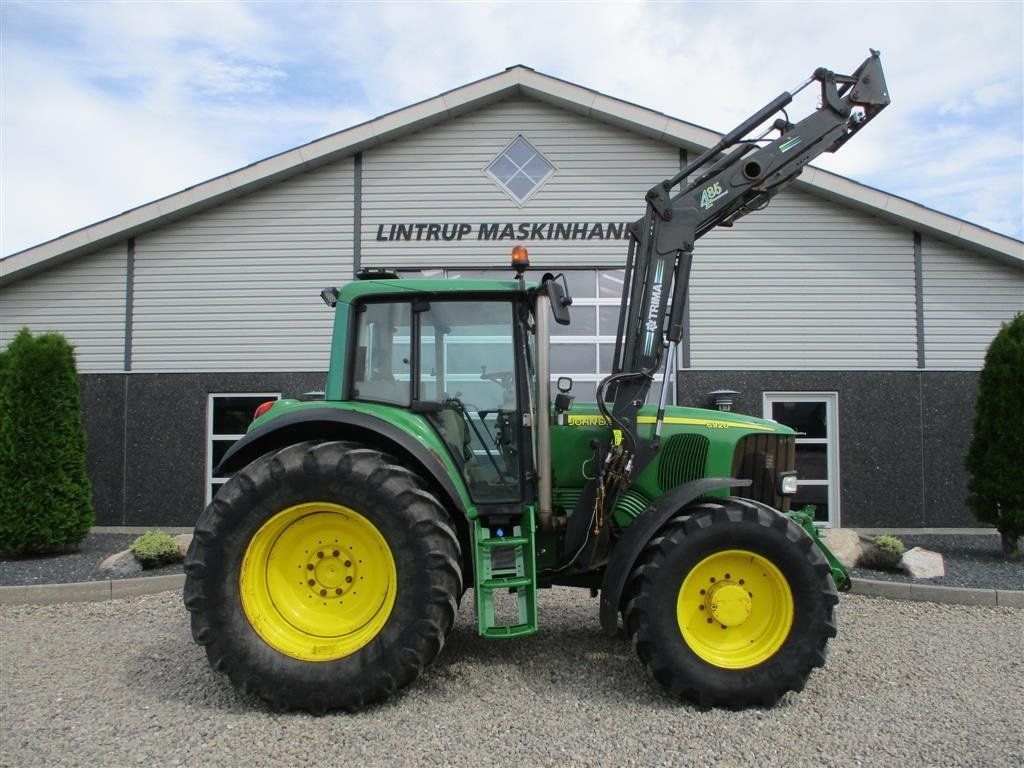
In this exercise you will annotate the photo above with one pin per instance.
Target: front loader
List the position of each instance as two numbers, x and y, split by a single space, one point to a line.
326 573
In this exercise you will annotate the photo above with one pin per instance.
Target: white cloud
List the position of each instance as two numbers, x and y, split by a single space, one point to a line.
72 157
106 106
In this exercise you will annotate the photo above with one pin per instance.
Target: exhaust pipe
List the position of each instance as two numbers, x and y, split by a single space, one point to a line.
545 511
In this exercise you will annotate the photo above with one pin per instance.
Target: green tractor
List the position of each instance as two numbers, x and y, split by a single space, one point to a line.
327 571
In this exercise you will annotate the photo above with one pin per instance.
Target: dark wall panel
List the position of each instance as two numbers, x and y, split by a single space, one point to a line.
903 435
147 435
948 417
880 449
103 416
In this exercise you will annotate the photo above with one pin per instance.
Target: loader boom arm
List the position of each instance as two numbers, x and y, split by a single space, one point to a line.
716 190
739 175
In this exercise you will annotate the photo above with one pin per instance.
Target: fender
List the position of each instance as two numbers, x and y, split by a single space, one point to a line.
639 533
317 423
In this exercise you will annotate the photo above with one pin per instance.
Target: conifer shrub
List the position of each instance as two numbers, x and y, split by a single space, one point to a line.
156 548
45 495
995 458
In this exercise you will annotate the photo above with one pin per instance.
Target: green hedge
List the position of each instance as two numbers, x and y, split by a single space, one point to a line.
45 495
996 456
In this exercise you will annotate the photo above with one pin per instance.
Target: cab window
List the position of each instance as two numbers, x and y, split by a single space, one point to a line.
381 368
467 363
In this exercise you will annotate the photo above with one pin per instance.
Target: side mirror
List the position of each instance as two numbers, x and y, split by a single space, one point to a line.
560 298
330 297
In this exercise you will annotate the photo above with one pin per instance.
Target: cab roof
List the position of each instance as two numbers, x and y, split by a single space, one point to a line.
456 288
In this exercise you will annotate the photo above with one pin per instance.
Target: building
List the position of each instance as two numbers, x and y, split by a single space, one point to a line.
858 317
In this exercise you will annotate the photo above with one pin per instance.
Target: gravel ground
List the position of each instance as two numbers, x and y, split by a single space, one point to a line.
120 683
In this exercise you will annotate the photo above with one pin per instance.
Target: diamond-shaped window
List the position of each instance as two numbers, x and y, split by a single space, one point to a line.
520 170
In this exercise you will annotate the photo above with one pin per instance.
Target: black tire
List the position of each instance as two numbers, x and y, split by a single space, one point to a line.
705 532
416 529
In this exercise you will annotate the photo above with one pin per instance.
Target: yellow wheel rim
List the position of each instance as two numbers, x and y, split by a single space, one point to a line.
318 581
735 609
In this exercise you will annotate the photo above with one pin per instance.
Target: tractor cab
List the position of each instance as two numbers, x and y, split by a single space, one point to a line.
456 357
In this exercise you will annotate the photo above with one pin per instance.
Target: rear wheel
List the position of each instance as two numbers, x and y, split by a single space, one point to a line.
731 605
323 576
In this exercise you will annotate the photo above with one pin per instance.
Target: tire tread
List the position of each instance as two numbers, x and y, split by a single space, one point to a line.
638 599
392 668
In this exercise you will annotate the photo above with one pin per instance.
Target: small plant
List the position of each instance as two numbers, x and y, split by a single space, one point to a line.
156 548
891 544
884 555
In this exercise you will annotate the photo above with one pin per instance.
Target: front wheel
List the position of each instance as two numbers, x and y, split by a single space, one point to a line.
731 604
323 576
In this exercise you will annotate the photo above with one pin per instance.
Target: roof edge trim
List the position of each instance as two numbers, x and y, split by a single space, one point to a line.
450 104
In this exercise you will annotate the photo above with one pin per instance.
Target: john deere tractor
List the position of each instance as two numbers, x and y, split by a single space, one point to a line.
327 571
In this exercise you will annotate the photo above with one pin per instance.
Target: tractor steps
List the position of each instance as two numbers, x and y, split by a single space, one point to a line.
504 558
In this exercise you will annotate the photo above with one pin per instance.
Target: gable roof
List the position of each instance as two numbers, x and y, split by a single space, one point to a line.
516 80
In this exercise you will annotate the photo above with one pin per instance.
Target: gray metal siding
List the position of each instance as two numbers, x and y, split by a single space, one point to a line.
437 176
236 288
83 299
966 298
805 284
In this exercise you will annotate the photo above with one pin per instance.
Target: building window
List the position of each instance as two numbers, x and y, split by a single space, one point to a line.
520 169
814 416
227 418
583 349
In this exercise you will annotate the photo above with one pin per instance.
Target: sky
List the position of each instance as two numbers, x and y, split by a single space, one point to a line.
107 106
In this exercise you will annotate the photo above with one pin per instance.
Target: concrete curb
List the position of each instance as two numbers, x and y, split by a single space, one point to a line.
110 589
932 593
89 591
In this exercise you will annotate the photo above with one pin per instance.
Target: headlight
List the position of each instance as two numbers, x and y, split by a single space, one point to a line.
787 483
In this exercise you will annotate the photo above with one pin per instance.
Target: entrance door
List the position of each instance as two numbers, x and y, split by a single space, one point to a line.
814 417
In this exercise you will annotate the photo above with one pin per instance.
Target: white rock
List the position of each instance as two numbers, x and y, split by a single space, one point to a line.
184 540
121 564
922 563
844 543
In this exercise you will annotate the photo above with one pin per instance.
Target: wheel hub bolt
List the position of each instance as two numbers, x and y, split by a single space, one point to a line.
325 572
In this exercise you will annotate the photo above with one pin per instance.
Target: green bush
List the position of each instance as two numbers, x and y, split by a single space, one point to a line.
883 554
156 548
995 458
45 495
890 544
